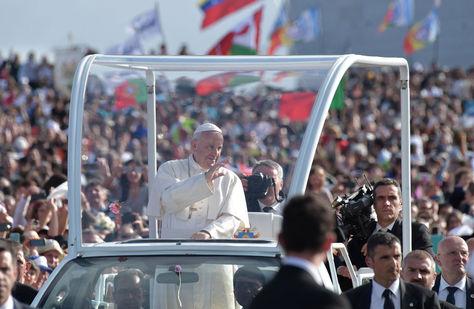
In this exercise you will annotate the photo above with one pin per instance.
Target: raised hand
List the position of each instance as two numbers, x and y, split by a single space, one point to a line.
214 172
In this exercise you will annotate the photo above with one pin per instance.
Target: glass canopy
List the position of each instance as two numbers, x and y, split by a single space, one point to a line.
130 114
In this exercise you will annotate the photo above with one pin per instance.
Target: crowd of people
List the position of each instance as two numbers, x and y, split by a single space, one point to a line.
361 137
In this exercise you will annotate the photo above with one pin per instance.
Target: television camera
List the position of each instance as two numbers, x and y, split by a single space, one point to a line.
355 210
257 188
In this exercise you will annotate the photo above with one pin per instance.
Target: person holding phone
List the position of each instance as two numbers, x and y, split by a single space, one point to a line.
198 197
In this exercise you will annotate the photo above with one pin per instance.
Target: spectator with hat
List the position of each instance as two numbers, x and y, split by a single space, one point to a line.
52 251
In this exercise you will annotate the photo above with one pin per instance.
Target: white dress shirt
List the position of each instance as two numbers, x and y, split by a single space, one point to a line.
278 207
459 295
319 273
386 229
377 300
8 304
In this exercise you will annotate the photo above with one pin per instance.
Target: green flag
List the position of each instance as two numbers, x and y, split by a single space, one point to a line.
338 100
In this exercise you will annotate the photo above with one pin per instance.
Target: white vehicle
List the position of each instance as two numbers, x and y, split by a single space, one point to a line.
166 97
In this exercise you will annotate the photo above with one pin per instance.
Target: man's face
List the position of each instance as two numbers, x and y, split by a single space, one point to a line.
207 148
269 198
387 204
21 266
452 256
8 275
317 178
419 271
96 196
426 209
128 292
385 262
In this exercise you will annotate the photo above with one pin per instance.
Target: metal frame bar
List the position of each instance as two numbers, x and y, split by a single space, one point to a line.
337 66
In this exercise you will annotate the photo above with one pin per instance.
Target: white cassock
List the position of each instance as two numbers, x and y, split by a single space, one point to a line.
183 200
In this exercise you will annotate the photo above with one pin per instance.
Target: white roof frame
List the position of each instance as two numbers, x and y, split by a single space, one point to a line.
337 66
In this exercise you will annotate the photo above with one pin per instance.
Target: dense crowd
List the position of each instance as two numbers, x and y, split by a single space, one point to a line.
361 137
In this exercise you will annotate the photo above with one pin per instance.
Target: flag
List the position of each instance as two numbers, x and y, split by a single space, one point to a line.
223 46
244 40
221 81
146 23
216 9
399 13
307 27
296 106
422 33
130 93
247 36
279 36
131 46
338 100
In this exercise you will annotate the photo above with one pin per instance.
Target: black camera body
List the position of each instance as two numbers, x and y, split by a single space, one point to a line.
355 212
257 185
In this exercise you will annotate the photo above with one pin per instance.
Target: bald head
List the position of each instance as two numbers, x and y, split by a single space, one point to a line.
452 258
448 243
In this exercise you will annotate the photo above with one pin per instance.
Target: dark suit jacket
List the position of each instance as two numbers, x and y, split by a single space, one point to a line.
293 287
412 296
469 291
421 239
24 293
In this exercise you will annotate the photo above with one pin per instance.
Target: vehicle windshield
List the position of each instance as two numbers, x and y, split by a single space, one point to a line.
263 115
159 282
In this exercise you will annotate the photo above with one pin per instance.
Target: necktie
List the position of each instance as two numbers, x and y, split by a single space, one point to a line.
268 209
451 290
388 304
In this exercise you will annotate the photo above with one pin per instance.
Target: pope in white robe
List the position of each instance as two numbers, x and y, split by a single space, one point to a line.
197 197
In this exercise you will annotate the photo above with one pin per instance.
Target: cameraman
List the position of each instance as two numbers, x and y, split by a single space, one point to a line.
264 194
387 206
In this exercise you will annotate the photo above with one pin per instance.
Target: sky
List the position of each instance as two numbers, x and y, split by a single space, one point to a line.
45 25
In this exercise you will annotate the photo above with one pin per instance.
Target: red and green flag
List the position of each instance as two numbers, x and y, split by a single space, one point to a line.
296 106
215 10
130 93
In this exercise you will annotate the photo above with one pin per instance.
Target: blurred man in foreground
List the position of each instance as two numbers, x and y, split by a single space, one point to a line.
305 243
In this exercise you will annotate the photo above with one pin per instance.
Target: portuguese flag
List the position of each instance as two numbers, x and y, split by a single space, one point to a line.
130 93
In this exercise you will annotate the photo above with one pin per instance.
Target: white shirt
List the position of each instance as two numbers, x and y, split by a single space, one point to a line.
459 295
386 229
377 300
185 203
8 304
278 207
319 273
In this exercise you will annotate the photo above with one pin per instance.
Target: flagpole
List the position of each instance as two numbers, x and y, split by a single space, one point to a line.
163 39
436 50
